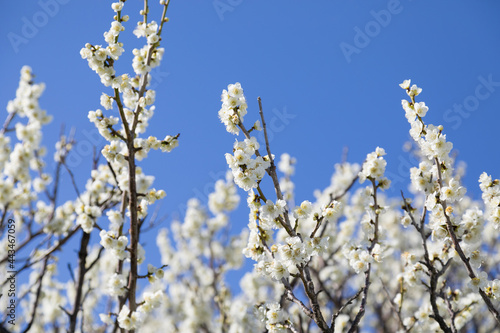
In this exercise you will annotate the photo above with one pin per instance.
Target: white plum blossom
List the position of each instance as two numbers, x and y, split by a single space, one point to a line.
247 171
234 107
374 166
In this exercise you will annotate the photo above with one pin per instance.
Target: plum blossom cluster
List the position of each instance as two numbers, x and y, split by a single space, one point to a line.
132 189
274 318
130 95
359 258
491 198
17 185
430 138
247 171
129 320
286 166
100 59
374 168
456 224
234 108
117 245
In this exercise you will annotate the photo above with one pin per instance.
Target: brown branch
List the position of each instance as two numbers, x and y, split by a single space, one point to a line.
339 311
37 297
361 312
82 270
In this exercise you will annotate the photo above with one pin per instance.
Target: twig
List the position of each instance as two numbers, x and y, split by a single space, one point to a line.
339 311
82 270
37 297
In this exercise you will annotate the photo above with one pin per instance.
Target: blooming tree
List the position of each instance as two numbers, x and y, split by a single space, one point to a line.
349 259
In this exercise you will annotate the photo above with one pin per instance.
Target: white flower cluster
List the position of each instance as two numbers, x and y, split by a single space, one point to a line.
423 178
491 198
225 197
374 168
332 212
27 153
99 58
273 316
434 176
145 145
289 255
134 320
154 273
286 166
303 211
117 285
359 258
453 191
86 216
247 171
116 244
430 138
413 270
62 220
139 62
493 289
234 107
422 321
26 102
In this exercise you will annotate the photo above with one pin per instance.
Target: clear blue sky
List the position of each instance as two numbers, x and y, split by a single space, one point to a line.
332 66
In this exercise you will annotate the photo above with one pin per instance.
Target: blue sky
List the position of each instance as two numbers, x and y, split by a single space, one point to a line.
327 71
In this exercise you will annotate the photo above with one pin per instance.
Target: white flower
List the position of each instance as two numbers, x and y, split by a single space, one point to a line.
374 165
405 85
479 282
106 319
124 320
257 126
106 101
494 288
332 211
414 90
153 38
235 90
303 211
117 285
277 270
420 109
274 314
117 6
269 212
234 107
